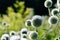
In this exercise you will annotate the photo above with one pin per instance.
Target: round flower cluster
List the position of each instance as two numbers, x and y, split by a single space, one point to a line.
35 21
57 38
25 34
53 20
54 13
48 3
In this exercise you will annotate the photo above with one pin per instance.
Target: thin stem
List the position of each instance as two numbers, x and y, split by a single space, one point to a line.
36 29
6 30
28 28
49 11
58 27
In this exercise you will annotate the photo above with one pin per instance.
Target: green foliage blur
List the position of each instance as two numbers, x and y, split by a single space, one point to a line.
15 20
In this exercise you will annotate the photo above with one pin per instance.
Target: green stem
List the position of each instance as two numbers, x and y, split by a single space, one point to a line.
49 11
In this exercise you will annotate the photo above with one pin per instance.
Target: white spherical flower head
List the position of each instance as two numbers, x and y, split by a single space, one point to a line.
15 37
24 39
24 31
28 23
5 37
55 12
5 24
12 33
24 36
48 3
37 20
58 3
33 35
53 20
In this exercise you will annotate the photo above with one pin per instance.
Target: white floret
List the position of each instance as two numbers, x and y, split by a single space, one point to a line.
52 12
11 33
45 3
50 18
23 30
4 36
24 39
58 4
26 23
36 18
15 37
30 35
